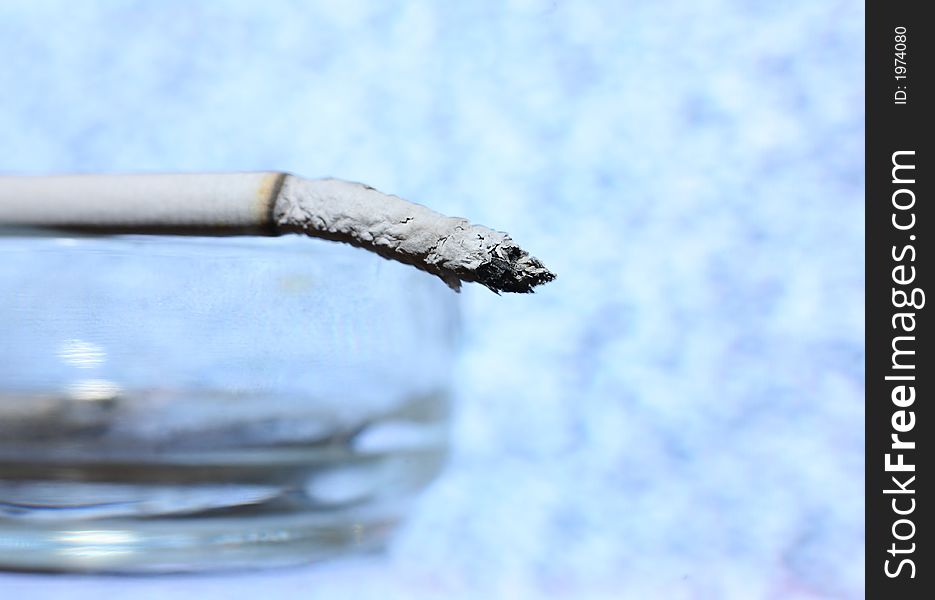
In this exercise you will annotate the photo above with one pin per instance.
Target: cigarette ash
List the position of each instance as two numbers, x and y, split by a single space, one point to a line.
450 247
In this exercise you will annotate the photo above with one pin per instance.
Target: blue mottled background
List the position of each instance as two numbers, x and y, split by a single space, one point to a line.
679 415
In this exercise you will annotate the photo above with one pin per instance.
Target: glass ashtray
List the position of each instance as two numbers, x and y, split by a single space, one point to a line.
184 404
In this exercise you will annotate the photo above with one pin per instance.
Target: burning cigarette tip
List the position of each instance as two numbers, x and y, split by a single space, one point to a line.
513 270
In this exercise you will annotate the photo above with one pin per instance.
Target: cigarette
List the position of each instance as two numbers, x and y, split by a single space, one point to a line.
272 204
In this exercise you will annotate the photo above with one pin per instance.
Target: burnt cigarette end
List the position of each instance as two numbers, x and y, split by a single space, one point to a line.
512 269
450 247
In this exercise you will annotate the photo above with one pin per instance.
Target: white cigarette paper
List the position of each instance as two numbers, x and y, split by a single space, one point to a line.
274 204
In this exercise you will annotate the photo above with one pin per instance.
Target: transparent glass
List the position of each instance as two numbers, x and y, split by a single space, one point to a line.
176 404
